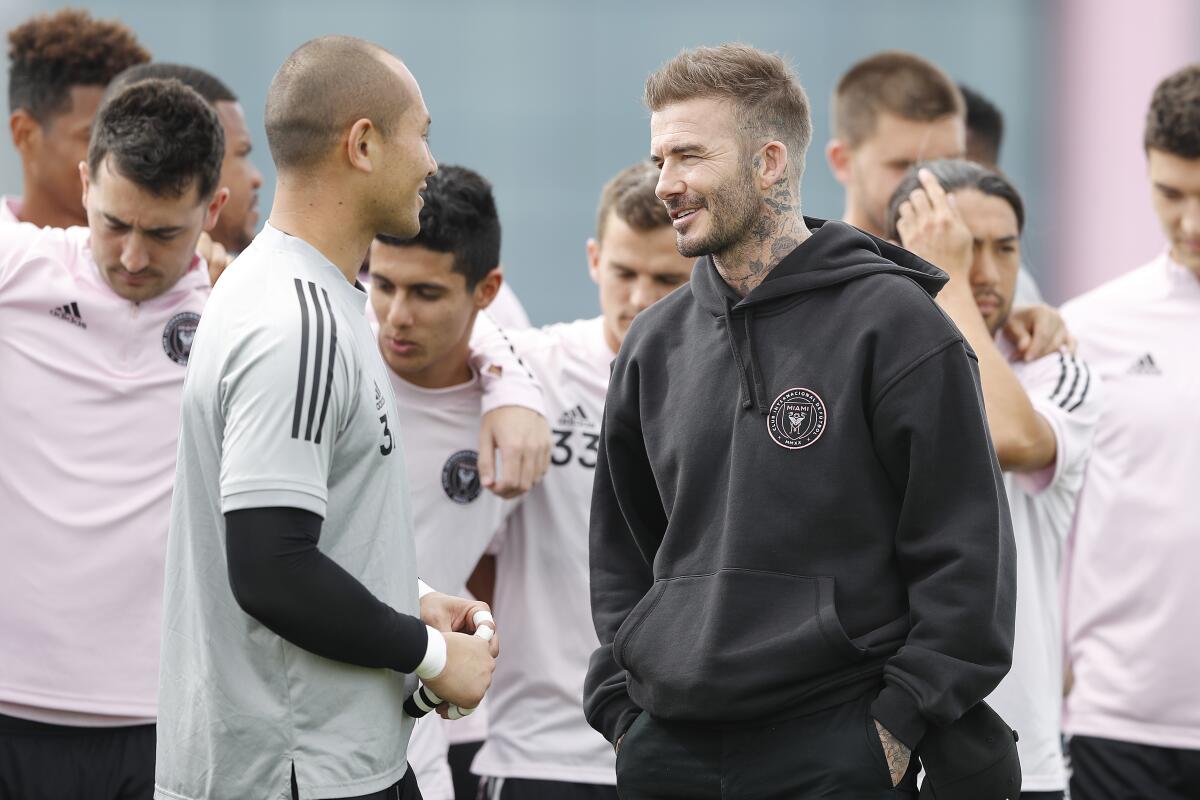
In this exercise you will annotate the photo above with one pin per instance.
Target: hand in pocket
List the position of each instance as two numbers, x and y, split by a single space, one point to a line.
896 753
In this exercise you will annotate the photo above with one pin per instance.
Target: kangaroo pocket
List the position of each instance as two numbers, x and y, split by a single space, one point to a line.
735 644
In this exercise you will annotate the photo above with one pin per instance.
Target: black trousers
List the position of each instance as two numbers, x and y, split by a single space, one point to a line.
1106 769
60 762
1041 795
835 753
460 756
525 789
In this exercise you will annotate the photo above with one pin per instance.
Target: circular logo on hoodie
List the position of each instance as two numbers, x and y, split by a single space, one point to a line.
460 477
177 336
797 419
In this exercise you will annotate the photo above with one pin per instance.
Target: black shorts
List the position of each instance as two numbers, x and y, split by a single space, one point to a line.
527 789
1106 769
39 761
403 789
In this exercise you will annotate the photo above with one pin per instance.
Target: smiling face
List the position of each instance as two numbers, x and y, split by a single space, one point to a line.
143 243
406 160
997 255
706 180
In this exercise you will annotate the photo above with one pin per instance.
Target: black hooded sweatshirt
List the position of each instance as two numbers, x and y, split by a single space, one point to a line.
797 502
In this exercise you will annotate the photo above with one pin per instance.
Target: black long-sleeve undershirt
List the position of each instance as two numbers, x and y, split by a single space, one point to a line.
281 578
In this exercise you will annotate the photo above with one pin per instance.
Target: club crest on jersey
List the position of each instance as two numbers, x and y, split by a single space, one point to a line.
460 477
178 334
797 419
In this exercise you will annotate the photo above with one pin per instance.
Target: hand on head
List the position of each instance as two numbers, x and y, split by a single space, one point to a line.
930 226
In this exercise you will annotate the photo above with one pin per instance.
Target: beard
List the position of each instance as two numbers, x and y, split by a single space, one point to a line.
734 208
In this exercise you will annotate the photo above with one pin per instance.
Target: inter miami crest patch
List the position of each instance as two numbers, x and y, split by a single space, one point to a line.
460 477
177 336
797 419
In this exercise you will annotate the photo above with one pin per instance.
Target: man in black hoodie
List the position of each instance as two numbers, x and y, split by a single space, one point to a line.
801 549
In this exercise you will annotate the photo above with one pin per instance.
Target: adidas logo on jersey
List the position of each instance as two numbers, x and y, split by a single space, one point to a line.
69 313
1145 366
574 416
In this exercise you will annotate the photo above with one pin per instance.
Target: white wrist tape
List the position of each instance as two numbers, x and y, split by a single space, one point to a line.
423 588
480 617
435 656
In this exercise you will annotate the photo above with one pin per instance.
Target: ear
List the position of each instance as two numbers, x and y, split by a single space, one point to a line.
26 132
487 289
838 153
84 176
774 164
593 257
214 208
360 145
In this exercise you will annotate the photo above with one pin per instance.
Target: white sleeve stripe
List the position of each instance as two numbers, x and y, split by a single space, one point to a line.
320 347
307 378
303 359
329 370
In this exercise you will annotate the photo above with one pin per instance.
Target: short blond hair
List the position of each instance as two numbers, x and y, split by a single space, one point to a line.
630 195
894 82
766 96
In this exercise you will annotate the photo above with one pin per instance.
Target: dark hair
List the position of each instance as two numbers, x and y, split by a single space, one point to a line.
49 54
1173 122
209 86
985 127
955 174
766 96
161 135
895 82
325 86
459 217
630 193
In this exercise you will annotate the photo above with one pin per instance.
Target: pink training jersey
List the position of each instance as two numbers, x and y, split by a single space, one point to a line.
10 207
1132 625
89 415
536 727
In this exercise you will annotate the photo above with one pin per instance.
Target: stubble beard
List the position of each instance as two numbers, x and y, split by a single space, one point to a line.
733 211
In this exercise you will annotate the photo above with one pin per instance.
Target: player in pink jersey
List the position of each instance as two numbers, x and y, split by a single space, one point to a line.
1132 629
892 110
98 328
1041 415
239 219
58 67
539 744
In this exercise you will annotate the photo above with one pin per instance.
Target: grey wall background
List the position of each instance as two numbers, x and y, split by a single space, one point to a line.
543 96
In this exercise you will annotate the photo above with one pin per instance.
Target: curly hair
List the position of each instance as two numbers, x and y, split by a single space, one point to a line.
1173 121
459 217
49 54
162 135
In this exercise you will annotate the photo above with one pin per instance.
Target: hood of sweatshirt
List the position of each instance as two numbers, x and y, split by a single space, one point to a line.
797 500
836 253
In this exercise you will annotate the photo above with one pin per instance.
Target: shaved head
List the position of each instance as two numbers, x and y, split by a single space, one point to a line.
325 86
